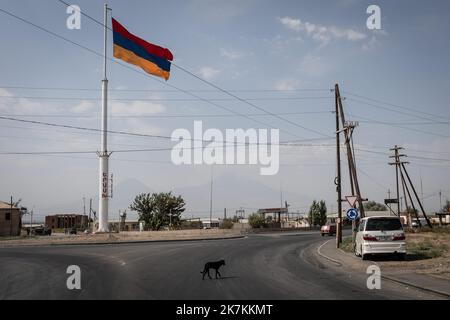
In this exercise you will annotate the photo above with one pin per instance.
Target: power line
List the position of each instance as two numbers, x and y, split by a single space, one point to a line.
136 70
117 132
401 127
395 105
160 116
286 144
221 89
162 90
390 109
159 99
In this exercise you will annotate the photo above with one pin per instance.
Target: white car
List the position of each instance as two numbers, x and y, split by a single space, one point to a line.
380 235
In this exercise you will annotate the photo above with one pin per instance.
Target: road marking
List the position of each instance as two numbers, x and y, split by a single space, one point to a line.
326 257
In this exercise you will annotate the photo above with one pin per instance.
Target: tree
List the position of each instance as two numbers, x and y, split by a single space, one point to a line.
374 206
256 220
317 213
158 210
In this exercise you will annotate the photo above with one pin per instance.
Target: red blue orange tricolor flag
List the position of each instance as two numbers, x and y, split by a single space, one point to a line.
152 58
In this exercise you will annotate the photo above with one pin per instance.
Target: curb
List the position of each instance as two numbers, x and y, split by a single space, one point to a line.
116 242
326 257
416 286
384 277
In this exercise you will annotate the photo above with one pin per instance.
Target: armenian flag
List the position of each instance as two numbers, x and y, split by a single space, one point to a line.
129 48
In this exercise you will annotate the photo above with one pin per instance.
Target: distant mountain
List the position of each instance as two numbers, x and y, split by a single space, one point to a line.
234 192
229 191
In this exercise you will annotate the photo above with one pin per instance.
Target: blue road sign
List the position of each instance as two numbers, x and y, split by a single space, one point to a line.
352 214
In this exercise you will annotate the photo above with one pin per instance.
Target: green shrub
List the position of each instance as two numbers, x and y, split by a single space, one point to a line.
257 221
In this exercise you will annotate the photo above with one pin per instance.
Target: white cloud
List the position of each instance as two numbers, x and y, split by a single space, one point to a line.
209 73
230 54
136 108
83 107
320 33
5 93
140 126
22 105
287 84
290 23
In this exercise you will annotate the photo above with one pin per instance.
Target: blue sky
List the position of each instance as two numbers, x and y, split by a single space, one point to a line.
254 47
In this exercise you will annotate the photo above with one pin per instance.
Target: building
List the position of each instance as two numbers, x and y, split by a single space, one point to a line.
275 213
10 224
66 221
210 223
127 225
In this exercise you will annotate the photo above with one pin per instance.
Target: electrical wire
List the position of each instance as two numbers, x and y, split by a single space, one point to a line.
219 88
137 71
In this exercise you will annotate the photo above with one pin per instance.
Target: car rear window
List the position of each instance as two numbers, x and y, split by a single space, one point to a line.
383 224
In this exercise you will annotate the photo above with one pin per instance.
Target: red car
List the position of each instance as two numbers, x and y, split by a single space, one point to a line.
329 229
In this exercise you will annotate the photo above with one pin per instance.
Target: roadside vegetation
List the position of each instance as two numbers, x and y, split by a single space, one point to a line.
347 244
226 224
428 243
257 221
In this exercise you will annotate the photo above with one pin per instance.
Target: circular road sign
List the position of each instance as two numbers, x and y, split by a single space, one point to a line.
352 214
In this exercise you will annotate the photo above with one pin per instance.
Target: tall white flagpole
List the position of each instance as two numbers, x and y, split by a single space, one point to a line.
103 195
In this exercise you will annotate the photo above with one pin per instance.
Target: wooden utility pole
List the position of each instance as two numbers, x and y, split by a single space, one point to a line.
348 129
338 169
11 216
410 198
397 164
400 169
417 197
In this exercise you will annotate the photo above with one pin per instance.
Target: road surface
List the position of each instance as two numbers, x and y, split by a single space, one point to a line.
264 266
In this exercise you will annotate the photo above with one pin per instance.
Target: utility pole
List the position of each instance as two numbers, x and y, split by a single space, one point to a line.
103 155
224 213
400 169
338 170
31 221
348 128
11 216
211 199
417 197
397 164
84 208
410 198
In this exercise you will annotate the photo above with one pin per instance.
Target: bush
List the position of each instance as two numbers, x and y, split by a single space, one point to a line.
257 221
226 224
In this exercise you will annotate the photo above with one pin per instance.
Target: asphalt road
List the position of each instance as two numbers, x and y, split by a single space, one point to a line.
268 266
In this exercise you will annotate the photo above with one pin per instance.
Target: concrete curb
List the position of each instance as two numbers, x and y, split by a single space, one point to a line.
390 278
116 242
325 256
416 286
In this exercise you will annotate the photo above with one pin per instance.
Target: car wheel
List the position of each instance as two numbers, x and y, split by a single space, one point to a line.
401 256
354 250
362 255
322 234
